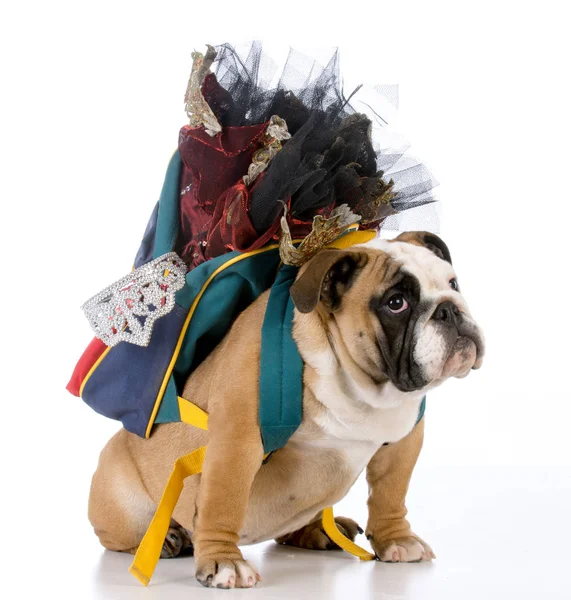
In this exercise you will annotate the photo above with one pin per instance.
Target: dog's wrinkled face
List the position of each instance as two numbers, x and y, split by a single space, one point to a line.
396 308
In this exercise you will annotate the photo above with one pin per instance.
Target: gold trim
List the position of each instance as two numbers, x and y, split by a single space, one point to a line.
92 370
349 239
193 306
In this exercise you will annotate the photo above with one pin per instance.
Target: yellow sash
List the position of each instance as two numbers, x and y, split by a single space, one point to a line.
149 550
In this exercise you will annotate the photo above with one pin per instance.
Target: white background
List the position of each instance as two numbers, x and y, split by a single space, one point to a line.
91 106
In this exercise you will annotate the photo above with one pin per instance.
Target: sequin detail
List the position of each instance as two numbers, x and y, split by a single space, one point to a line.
271 142
197 109
126 311
323 232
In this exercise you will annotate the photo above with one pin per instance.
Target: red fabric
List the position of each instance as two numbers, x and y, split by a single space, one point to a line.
211 167
214 202
231 228
219 99
218 162
92 353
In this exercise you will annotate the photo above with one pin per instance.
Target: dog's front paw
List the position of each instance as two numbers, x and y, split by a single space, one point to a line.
405 549
226 573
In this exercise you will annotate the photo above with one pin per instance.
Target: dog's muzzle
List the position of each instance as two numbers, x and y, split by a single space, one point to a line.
456 327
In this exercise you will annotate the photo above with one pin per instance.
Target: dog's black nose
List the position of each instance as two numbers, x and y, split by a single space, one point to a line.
447 312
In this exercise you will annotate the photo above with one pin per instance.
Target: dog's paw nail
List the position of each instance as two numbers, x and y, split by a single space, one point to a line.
258 577
360 529
395 556
250 581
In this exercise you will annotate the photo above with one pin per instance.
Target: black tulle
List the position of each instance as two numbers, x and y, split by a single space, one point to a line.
331 158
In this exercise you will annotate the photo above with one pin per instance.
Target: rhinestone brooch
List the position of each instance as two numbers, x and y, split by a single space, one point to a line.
126 311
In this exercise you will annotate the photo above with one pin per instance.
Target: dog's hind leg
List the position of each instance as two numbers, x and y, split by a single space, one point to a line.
313 536
178 542
120 508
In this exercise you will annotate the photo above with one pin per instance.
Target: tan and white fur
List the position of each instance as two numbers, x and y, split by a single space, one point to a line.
366 370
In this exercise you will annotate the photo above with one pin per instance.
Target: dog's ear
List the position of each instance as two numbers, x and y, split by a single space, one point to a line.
428 240
326 277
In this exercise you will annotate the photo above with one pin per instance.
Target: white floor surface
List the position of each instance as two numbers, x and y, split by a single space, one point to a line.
497 533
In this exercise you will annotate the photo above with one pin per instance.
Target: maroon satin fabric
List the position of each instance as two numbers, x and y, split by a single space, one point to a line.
214 201
213 168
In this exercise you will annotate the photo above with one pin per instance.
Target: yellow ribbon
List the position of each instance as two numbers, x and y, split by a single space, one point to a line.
333 532
149 550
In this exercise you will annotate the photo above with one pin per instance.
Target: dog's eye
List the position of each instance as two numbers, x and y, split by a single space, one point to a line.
454 284
397 303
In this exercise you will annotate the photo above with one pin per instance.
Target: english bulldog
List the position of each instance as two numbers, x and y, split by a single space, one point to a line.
377 327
